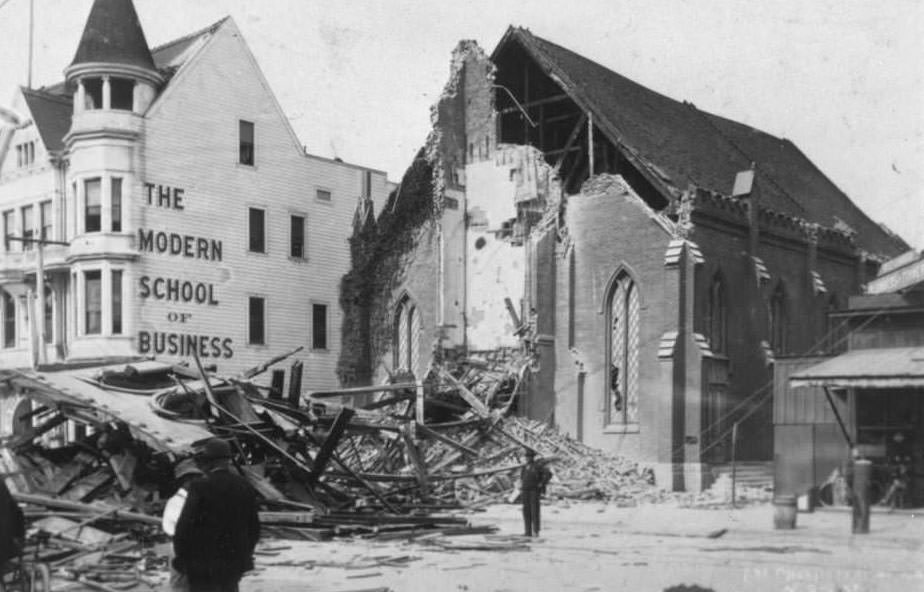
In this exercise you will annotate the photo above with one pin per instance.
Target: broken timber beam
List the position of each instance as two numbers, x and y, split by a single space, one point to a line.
413 453
363 390
429 433
330 443
468 396
50 502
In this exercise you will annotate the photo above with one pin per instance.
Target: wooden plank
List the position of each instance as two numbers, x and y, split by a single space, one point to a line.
419 465
363 390
330 443
426 431
49 502
468 396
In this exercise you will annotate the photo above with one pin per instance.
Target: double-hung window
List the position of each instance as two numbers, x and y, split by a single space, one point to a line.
245 142
297 237
256 313
256 223
93 205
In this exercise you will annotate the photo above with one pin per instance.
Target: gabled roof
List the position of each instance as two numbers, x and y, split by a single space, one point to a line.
113 35
51 114
174 53
676 145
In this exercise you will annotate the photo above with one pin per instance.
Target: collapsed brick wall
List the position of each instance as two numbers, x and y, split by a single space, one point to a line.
379 252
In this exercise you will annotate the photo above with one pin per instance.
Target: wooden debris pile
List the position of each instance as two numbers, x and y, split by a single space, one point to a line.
382 461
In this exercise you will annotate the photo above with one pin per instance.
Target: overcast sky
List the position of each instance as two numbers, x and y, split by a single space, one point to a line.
843 79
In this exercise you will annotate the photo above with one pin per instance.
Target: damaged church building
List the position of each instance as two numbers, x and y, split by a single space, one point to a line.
652 258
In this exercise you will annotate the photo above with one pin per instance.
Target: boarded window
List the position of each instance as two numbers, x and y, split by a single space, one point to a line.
246 142
297 237
624 324
257 230
256 321
319 326
93 208
116 208
93 302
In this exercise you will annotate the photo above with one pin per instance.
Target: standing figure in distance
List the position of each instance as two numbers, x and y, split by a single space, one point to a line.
219 526
533 479
185 472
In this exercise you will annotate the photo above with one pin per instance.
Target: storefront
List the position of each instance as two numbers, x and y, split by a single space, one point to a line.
867 402
882 391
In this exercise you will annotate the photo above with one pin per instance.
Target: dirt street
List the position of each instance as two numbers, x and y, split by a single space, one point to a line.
590 546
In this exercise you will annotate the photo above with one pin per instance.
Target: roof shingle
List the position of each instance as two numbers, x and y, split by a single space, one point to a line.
682 145
113 35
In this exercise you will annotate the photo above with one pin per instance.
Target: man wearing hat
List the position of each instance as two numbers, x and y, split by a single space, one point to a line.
533 479
219 527
184 472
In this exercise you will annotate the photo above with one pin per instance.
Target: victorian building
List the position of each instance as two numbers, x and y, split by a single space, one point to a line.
178 209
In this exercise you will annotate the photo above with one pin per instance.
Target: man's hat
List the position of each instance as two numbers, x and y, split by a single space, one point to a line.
215 449
185 468
530 453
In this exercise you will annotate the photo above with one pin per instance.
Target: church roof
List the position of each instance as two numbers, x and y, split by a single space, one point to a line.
676 144
113 35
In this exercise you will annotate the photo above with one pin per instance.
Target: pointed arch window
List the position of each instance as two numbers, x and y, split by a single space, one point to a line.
777 319
622 350
717 319
407 335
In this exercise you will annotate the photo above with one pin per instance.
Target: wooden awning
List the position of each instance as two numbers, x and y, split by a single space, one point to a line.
892 367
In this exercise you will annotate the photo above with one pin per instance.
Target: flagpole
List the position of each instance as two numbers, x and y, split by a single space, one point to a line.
31 30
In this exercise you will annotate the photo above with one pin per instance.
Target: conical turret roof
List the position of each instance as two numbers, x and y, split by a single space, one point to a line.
113 35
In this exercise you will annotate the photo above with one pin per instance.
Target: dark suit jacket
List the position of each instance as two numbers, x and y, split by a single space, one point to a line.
217 529
12 525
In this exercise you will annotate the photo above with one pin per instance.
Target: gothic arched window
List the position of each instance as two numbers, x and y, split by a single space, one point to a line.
407 335
622 347
717 320
777 319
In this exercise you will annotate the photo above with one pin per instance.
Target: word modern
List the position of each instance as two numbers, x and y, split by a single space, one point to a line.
183 344
176 290
179 244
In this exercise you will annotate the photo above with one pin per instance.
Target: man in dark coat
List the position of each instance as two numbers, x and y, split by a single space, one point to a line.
12 526
219 527
533 479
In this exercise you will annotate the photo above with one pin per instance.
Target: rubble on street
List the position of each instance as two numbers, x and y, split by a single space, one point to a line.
92 460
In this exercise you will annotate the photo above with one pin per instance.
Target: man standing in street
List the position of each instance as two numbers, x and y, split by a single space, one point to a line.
219 527
185 472
533 479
